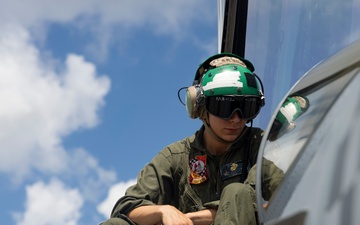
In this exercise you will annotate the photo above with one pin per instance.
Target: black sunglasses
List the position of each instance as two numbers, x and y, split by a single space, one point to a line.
224 106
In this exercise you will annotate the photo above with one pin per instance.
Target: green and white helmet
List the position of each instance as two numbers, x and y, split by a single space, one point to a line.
223 74
230 79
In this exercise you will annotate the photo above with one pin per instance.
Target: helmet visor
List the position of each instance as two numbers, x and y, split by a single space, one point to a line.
224 106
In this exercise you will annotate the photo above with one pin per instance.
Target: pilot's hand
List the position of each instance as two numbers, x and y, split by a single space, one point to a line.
172 216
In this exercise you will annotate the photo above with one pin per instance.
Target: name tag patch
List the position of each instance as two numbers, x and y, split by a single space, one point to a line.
231 169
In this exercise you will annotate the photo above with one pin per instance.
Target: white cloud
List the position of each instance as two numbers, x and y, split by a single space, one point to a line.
115 192
44 99
164 15
42 102
51 204
109 21
91 178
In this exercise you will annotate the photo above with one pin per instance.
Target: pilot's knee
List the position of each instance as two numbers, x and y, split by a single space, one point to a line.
239 190
235 188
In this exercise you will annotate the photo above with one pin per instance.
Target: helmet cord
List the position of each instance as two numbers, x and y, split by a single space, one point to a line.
245 161
179 95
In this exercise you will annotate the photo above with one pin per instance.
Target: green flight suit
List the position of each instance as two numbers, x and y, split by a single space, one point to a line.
166 180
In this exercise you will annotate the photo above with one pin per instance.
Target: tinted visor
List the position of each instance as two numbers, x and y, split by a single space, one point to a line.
224 106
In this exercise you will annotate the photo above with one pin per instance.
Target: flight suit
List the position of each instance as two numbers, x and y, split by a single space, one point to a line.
185 175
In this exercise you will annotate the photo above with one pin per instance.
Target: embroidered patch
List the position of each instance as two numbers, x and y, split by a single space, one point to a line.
198 170
231 169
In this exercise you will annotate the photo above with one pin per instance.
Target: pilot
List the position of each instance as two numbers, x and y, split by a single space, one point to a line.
202 179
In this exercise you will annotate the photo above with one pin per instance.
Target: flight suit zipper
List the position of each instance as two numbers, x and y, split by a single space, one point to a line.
194 199
218 177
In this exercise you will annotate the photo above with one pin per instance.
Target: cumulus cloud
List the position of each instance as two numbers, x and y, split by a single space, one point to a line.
44 99
51 203
91 178
108 21
41 103
164 15
115 192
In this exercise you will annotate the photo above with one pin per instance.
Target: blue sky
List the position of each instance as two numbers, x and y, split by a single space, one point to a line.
89 95
89 91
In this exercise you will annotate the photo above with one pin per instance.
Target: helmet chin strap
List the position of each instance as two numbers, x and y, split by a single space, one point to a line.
213 134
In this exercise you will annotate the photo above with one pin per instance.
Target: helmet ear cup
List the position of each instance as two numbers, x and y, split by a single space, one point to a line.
193 100
190 101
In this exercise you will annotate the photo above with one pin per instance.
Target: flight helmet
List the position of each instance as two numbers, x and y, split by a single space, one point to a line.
224 84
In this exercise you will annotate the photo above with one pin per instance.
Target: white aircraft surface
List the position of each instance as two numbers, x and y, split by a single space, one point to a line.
318 151
313 137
